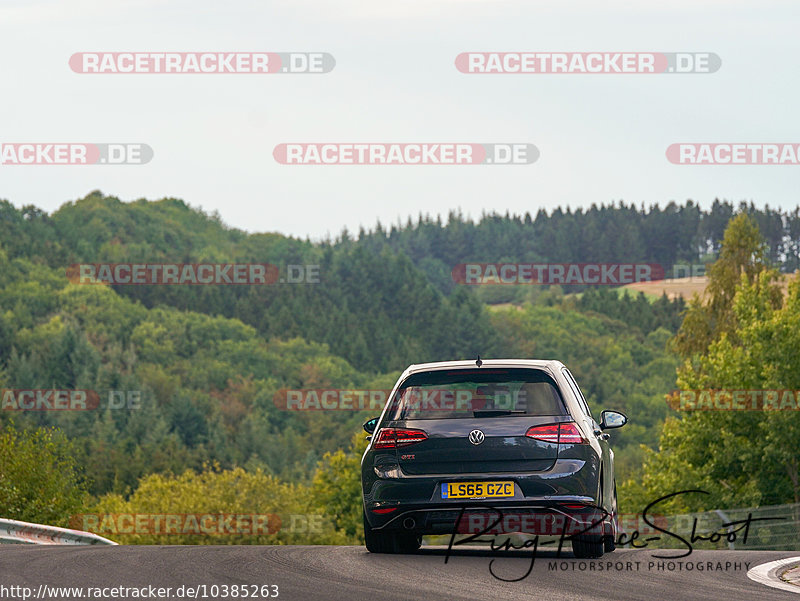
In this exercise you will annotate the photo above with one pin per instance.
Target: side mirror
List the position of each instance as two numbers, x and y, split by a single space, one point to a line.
370 425
612 419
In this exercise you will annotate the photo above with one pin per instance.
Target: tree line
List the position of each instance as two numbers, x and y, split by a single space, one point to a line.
208 360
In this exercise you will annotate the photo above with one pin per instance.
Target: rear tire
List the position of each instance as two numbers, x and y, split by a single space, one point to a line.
408 543
390 542
588 547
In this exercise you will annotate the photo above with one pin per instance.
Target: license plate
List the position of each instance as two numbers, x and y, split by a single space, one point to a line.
477 490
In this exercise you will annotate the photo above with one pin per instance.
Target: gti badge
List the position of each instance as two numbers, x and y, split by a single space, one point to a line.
476 437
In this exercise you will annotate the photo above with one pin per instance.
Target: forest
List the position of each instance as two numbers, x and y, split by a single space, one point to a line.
205 363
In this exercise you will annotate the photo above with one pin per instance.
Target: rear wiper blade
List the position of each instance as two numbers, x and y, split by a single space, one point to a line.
496 412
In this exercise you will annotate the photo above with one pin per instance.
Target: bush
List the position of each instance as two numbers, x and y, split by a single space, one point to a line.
39 478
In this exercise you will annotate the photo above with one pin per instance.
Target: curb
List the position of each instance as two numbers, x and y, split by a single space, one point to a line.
16 532
772 573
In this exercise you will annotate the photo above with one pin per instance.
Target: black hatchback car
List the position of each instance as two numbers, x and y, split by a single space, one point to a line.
489 447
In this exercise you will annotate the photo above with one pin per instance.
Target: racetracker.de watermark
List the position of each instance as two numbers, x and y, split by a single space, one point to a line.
734 153
75 153
208 524
734 400
693 271
405 153
177 274
588 62
48 400
612 274
555 522
201 63
53 399
417 400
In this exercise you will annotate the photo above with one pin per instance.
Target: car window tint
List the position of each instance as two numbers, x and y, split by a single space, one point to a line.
449 394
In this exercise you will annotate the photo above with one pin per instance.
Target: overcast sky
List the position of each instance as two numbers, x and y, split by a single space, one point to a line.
602 138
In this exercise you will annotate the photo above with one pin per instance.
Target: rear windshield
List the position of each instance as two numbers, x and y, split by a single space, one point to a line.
463 393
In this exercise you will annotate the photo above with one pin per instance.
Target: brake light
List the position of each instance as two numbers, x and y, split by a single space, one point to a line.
384 510
390 438
567 433
571 434
547 433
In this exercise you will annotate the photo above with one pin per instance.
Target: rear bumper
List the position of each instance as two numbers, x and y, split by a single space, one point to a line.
491 519
405 502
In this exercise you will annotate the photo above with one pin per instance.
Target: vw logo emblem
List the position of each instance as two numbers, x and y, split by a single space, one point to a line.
476 437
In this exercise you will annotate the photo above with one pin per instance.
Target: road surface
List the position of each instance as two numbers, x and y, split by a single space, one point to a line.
310 573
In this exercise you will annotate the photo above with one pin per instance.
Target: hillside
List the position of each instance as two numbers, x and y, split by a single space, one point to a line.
206 362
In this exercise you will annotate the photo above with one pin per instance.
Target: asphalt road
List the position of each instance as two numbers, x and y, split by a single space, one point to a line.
350 573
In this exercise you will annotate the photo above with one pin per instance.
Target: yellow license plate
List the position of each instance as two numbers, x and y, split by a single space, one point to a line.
477 490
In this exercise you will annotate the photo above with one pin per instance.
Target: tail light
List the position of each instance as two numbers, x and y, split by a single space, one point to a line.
390 438
567 433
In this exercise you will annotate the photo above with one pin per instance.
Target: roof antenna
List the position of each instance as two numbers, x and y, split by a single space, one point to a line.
479 362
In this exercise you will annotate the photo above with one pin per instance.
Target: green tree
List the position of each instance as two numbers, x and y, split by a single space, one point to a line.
337 487
40 480
740 336
743 254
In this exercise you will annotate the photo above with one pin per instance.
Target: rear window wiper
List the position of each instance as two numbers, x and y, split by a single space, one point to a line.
496 412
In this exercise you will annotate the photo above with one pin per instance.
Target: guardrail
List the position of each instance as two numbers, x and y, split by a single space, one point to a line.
780 531
15 532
